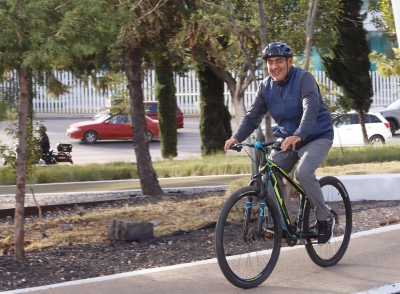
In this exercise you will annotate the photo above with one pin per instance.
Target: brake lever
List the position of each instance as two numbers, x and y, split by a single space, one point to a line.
277 145
236 147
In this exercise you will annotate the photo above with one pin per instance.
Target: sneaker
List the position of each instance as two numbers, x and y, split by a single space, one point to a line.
325 230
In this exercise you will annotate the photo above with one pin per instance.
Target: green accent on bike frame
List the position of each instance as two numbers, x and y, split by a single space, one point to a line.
272 164
269 165
279 197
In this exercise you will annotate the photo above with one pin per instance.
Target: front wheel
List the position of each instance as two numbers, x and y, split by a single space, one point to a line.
247 244
338 202
90 137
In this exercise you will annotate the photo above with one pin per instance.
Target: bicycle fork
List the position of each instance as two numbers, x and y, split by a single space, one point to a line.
251 234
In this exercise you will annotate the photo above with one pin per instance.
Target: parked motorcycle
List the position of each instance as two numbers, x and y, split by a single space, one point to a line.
63 154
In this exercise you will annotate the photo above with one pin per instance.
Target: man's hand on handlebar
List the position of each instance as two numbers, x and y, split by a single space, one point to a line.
229 143
290 143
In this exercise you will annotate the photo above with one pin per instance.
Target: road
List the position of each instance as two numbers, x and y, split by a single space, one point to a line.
114 150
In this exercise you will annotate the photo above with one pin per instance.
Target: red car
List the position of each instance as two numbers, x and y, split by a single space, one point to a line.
151 110
109 127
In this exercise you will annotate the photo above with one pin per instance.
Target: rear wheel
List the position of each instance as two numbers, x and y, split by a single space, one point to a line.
90 137
149 136
337 199
247 258
376 141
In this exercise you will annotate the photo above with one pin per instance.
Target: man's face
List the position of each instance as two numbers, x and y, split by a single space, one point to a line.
278 68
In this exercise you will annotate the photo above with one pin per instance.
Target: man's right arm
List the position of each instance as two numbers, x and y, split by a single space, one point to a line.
253 117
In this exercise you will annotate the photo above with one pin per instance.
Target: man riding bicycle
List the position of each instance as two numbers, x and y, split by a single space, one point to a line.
292 97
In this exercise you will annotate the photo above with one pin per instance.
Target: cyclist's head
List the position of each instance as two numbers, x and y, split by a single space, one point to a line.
41 129
279 59
276 49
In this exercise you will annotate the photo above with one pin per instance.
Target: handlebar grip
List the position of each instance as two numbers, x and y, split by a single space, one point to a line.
236 147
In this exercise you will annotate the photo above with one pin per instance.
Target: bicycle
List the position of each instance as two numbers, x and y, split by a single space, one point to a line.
249 229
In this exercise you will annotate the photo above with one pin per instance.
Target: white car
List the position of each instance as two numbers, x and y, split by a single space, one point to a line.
348 131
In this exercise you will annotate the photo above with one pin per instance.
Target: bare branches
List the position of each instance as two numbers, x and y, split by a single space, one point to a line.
237 33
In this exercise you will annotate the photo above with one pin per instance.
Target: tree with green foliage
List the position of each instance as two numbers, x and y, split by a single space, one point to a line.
167 106
387 67
215 121
225 35
26 27
38 36
166 64
383 19
136 40
348 64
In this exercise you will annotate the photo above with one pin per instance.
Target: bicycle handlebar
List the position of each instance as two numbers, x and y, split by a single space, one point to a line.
257 145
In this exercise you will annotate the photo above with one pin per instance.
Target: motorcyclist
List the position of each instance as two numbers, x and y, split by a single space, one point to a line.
44 140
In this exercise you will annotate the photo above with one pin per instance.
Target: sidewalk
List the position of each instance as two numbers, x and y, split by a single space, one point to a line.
372 260
359 187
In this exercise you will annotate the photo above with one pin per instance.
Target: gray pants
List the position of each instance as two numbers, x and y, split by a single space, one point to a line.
311 156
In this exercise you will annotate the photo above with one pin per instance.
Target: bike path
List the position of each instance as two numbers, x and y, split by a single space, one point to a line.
372 260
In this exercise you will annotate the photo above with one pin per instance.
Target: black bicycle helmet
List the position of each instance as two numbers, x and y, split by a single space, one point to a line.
275 49
41 129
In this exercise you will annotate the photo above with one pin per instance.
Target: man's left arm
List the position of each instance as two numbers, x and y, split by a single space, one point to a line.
310 100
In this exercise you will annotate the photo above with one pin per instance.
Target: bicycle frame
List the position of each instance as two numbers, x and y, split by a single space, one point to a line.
267 175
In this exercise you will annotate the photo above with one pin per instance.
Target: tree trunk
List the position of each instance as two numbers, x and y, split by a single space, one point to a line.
268 120
165 94
312 15
238 104
147 175
21 165
363 129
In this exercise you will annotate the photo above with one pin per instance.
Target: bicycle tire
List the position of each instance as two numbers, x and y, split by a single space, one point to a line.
336 197
247 264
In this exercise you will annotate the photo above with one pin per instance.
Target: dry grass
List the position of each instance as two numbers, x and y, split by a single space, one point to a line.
92 226
361 169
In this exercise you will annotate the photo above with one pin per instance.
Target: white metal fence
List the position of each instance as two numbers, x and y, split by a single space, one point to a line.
86 100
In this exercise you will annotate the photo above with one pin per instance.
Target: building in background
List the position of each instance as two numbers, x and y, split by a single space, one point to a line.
376 41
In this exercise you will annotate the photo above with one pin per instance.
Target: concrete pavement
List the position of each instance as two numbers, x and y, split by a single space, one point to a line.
359 187
121 185
372 260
